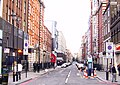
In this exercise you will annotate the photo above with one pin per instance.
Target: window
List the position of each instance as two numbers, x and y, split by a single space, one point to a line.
112 36
117 36
20 1
17 3
108 12
108 26
114 40
24 7
9 14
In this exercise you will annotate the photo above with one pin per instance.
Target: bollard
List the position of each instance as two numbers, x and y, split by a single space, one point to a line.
107 73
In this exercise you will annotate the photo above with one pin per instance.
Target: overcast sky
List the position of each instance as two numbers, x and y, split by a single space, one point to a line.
72 19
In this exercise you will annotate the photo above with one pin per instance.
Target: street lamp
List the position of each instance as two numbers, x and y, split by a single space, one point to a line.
13 49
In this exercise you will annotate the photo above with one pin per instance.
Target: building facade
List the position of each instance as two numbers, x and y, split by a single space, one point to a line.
115 28
13 23
52 27
61 42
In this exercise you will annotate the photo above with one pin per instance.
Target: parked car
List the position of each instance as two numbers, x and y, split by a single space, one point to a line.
80 66
65 65
59 61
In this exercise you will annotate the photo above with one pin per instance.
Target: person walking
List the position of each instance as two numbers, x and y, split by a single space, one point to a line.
38 67
14 68
19 70
34 66
110 67
119 69
114 74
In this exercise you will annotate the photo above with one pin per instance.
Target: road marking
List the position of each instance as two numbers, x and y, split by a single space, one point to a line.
67 77
61 71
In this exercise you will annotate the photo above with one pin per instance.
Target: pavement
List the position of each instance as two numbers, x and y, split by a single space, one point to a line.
30 75
101 75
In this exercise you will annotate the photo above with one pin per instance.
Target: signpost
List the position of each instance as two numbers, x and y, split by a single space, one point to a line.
25 51
89 58
89 65
109 49
109 54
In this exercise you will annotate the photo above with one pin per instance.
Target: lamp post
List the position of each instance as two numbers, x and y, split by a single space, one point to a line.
15 66
13 54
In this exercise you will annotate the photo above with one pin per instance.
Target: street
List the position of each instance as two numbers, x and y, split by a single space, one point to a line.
64 76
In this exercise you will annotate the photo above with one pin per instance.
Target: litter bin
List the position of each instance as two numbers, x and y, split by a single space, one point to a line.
5 75
0 79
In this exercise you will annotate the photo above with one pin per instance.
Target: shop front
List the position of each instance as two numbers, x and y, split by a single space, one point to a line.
117 54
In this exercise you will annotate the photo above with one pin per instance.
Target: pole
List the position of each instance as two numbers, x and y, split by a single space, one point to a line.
113 57
17 57
26 65
13 52
107 73
39 35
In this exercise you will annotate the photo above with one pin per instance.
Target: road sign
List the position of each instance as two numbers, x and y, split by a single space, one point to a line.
25 43
25 50
109 47
89 58
6 50
109 55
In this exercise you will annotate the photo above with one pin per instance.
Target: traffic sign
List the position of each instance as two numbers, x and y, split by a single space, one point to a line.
109 47
6 50
109 55
89 58
25 50
25 43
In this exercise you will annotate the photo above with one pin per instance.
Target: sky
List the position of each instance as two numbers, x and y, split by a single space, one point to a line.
72 18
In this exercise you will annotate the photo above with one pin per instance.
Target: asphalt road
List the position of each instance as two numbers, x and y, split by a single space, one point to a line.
64 76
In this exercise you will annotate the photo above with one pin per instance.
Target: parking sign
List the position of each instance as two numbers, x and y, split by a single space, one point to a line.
109 47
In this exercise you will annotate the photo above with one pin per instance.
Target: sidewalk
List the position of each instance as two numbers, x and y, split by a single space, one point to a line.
102 75
30 76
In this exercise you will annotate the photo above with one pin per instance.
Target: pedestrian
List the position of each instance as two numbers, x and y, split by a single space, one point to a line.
110 67
119 69
34 66
114 74
14 68
19 70
38 66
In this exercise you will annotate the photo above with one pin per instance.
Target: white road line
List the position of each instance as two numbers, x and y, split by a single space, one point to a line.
66 80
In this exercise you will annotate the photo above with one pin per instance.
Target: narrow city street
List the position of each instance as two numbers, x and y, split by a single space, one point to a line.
64 76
